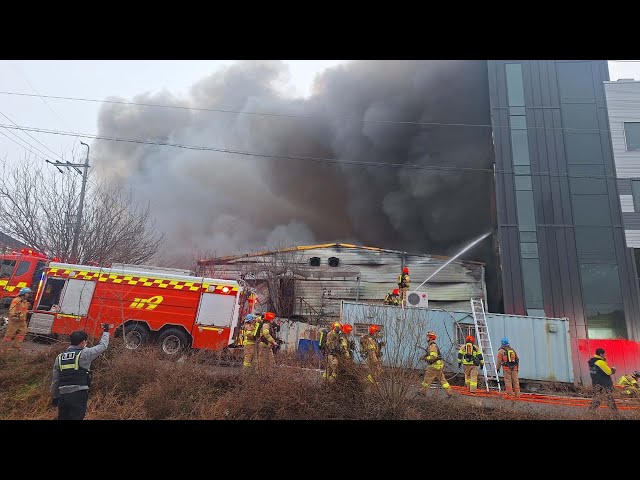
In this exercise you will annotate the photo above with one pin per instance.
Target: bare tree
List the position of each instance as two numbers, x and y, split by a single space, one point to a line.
39 207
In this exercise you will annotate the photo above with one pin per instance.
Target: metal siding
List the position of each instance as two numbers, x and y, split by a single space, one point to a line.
544 356
623 104
633 238
626 204
624 186
631 221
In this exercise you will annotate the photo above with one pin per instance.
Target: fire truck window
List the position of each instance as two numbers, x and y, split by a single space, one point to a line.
23 267
6 268
37 274
51 293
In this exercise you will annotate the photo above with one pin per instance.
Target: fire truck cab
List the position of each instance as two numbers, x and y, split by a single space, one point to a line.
176 311
20 269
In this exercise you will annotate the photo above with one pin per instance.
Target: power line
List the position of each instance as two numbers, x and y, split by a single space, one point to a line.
22 146
297 116
29 135
303 158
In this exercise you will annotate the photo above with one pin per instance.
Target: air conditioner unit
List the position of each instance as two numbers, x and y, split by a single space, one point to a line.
417 299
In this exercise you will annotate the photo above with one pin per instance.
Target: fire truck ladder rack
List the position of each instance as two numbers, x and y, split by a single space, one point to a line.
484 342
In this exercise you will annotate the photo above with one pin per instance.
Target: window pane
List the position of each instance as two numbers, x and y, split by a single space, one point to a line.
632 135
528 237
583 116
529 250
515 89
591 209
23 267
520 147
523 182
526 213
583 148
635 190
588 186
595 243
518 122
6 268
517 111
532 283
600 283
576 82
605 321
522 169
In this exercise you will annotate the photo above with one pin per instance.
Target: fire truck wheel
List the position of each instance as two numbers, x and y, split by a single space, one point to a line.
135 336
173 341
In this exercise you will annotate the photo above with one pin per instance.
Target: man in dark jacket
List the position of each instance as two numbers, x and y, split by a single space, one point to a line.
601 379
72 375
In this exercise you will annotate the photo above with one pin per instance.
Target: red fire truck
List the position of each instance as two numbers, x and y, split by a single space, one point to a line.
20 269
176 311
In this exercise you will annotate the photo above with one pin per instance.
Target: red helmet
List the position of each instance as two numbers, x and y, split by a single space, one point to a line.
396 291
347 328
269 316
431 336
405 270
336 325
470 339
373 329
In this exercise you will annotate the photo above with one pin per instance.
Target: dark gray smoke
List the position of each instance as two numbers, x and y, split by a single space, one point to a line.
229 204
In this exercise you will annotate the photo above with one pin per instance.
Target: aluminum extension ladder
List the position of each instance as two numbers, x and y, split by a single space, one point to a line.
484 343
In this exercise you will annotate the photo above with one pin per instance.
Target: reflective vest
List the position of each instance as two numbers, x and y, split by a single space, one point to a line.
508 357
369 344
337 344
433 357
470 354
403 280
18 309
391 299
248 334
71 373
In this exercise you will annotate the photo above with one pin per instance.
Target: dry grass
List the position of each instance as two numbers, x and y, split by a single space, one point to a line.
141 385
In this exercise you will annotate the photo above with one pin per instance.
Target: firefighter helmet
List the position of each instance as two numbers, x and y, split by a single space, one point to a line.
504 341
396 291
249 318
336 325
347 328
470 339
636 374
269 316
25 290
431 335
405 270
373 329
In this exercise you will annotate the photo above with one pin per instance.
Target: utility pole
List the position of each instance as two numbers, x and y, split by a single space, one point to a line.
76 234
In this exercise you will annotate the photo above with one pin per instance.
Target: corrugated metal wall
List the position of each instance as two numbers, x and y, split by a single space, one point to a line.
364 274
541 343
622 354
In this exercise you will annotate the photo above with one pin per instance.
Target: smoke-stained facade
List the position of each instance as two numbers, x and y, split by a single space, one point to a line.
562 246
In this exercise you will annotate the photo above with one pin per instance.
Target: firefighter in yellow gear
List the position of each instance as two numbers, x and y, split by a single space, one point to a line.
248 340
508 360
17 327
404 282
435 366
470 356
266 343
392 298
371 350
629 384
337 348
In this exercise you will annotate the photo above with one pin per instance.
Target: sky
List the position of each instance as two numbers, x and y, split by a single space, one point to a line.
232 204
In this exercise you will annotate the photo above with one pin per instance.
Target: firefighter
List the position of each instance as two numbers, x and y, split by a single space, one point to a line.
470 356
337 348
71 376
435 366
509 361
248 337
371 350
17 327
266 343
404 282
392 298
629 384
601 379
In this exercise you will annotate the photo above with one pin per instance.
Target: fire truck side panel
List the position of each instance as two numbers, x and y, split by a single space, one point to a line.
217 317
17 271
